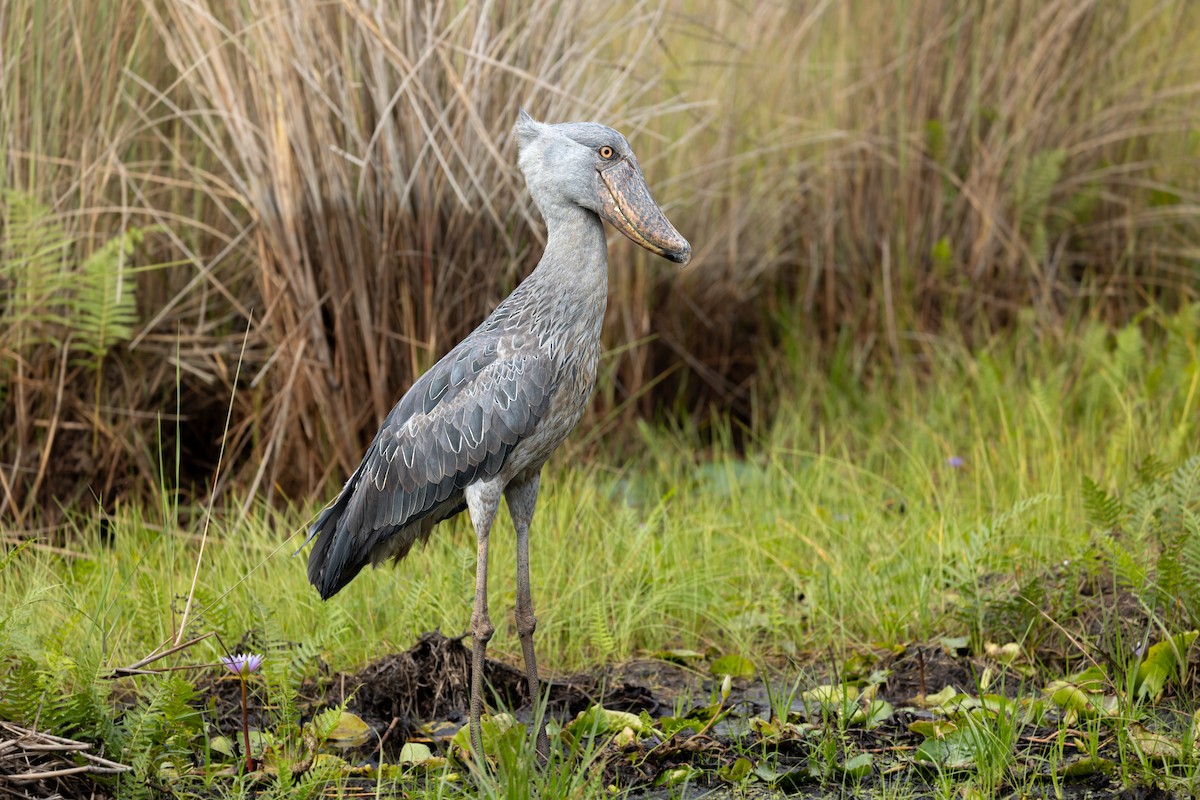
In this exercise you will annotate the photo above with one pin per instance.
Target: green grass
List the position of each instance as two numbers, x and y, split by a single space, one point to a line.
849 501
842 525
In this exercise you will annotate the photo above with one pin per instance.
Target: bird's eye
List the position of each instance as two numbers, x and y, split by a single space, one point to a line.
606 152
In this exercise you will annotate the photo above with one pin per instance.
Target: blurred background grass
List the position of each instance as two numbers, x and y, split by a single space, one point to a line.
301 205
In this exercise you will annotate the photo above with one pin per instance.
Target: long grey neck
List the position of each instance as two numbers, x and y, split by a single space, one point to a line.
576 256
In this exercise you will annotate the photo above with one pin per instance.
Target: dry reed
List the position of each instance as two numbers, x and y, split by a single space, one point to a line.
332 185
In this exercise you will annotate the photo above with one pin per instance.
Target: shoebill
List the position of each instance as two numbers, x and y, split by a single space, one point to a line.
482 421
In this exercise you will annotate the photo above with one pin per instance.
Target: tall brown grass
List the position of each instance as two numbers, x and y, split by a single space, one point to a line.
329 200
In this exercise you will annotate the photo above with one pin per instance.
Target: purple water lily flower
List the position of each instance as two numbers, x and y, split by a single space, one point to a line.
243 664
955 462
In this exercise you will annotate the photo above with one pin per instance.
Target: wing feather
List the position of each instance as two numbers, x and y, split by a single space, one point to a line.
455 425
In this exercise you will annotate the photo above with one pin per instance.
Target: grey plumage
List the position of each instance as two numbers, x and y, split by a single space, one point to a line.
458 423
483 420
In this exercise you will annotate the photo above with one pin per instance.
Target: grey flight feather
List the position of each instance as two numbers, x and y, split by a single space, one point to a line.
456 424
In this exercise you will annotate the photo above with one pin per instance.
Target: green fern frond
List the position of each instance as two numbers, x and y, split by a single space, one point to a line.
1104 511
1036 183
1130 352
157 730
105 302
1151 469
33 252
601 629
1185 482
1126 568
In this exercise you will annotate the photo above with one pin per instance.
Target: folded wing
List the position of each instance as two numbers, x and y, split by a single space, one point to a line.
457 423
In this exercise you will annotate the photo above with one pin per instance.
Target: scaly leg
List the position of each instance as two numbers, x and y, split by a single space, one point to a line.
522 498
483 499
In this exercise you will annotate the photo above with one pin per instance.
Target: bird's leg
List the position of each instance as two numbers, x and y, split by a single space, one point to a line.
522 498
483 499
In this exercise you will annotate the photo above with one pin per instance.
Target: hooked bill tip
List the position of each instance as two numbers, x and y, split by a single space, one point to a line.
681 256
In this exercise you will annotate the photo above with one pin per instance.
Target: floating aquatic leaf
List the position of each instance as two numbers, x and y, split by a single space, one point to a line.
599 721
1093 679
786 779
1070 698
878 676
997 703
1087 766
932 728
956 645
736 772
674 777
415 753
491 728
323 723
1154 745
223 745
678 655
1005 654
873 715
1161 664
734 665
952 751
942 698
624 738
837 699
775 730
350 731
858 767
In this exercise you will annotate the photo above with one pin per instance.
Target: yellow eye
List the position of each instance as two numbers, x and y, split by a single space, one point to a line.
606 152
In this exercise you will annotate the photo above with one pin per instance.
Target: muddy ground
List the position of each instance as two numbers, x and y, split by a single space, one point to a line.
422 695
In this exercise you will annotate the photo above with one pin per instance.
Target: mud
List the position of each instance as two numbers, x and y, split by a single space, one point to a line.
426 688
1066 618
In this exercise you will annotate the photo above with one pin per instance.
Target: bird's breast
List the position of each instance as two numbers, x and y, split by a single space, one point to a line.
576 353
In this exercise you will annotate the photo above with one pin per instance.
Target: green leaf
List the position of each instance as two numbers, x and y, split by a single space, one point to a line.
858 767
1093 679
674 777
349 731
836 699
223 745
1070 698
491 729
259 742
697 718
736 772
1162 662
678 655
932 728
599 721
105 305
734 665
941 699
953 751
874 715
786 779
1154 745
415 753
1085 767
1104 511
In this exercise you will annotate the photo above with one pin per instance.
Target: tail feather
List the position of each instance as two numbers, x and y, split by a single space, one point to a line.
330 564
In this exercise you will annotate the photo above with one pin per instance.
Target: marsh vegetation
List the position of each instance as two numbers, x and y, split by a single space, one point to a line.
921 414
